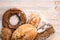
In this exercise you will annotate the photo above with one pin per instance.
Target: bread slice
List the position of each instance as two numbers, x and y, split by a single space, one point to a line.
45 32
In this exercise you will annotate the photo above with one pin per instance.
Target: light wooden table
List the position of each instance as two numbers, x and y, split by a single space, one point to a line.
41 7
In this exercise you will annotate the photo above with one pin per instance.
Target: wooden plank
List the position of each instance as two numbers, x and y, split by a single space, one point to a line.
57 8
57 2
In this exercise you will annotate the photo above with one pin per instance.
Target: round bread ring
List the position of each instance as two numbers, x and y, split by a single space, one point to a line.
13 11
24 32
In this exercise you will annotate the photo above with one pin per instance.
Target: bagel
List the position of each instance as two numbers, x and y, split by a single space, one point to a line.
6 34
24 32
10 12
34 20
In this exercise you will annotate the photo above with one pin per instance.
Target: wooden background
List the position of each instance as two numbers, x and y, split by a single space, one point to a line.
50 9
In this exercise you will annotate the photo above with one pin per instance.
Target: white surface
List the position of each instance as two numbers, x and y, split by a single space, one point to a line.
14 20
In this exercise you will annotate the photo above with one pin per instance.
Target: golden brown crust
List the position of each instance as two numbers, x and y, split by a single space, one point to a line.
25 32
6 34
34 19
13 11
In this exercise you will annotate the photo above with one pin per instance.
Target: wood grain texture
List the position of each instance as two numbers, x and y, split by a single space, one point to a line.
45 8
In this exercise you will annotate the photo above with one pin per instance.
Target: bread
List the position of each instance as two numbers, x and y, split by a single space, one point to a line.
44 32
24 32
34 20
10 12
6 34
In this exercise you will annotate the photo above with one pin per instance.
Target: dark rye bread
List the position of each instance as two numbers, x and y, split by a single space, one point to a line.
45 34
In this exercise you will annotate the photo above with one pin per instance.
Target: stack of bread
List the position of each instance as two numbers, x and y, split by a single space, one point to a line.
33 29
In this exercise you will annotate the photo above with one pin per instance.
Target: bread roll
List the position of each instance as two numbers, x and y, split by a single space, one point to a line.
24 32
34 20
6 34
